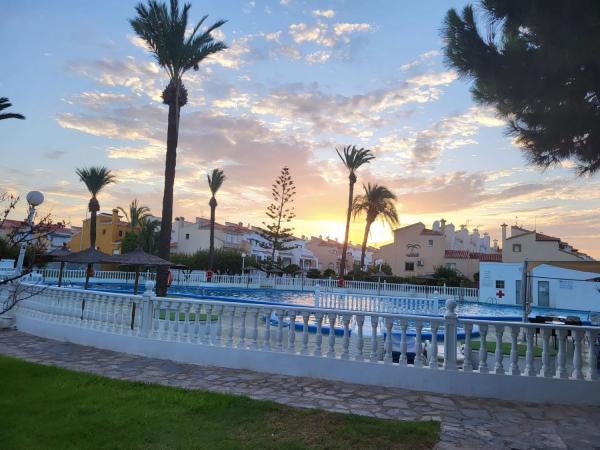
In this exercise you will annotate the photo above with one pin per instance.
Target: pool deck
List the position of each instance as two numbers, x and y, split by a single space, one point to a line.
467 423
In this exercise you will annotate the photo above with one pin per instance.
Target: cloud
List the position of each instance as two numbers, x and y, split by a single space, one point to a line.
434 78
55 154
346 28
328 13
318 57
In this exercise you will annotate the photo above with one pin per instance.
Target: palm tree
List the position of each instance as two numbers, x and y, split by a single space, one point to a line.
149 234
135 214
164 29
376 202
95 179
215 181
352 158
4 103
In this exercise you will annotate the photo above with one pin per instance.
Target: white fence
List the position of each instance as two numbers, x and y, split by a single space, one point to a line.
198 278
373 348
372 303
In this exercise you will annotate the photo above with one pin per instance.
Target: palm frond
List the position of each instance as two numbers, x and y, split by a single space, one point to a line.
377 202
353 157
215 180
163 29
95 178
5 103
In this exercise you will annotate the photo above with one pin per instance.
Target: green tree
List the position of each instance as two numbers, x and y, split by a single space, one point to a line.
376 202
313 273
281 212
536 62
215 181
130 242
4 103
149 235
95 179
353 158
163 29
135 214
329 273
292 269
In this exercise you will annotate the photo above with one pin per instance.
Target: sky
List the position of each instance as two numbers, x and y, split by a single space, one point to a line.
300 79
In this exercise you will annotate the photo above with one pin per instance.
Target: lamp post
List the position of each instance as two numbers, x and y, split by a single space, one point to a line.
243 262
34 198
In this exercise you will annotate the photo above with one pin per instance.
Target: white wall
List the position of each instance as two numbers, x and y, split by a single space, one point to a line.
565 291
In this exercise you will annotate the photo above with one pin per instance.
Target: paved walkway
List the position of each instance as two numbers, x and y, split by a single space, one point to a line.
466 423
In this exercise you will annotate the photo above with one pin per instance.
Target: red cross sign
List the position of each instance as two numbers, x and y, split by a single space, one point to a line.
500 294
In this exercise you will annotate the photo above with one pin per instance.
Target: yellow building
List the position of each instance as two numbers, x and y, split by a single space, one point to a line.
110 231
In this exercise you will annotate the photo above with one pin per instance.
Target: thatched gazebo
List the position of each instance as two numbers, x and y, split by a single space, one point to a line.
139 258
88 256
56 255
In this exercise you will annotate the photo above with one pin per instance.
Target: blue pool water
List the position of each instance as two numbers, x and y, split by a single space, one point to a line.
465 309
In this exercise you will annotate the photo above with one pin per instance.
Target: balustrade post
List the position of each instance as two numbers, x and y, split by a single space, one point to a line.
514 350
593 355
267 335
468 364
146 309
254 335
499 354
450 320
360 320
305 318
418 346
207 323
346 341
242 335
483 367
561 358
331 351
403 360
280 315
374 324
219 311
577 357
433 347
292 333
319 337
317 296
388 357
529 367
231 326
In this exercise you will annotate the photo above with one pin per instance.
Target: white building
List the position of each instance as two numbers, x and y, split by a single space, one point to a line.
461 239
562 285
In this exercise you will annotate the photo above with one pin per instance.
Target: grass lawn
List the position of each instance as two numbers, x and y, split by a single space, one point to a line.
48 407
521 348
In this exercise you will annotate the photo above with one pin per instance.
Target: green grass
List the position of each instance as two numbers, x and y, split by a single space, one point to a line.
48 407
521 348
201 317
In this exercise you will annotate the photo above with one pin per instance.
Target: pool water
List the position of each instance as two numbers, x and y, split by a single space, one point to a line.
306 298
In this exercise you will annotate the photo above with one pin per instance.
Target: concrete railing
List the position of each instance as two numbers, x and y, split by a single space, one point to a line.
198 278
409 351
373 303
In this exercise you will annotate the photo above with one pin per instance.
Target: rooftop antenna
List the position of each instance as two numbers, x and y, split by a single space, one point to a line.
534 223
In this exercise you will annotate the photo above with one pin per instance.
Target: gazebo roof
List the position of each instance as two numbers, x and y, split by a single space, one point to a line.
87 256
59 252
140 258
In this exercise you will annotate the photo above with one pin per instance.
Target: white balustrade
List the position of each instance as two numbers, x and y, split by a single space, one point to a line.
202 322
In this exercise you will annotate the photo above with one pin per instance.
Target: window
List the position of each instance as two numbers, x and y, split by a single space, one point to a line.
499 284
517 248
409 266
451 266
430 242
104 231
187 235
120 234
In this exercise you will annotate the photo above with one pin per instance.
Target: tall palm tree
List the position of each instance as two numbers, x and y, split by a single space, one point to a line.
164 31
149 234
215 181
4 103
376 202
353 158
135 214
95 179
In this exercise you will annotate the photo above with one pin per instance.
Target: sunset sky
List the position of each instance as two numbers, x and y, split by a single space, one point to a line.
300 79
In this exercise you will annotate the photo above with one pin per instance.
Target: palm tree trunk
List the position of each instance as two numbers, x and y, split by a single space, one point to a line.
347 235
92 228
211 248
364 244
164 240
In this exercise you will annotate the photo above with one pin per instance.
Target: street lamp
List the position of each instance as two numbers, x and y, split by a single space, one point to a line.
243 262
34 198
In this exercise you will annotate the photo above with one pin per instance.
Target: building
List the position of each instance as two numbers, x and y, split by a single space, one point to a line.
417 251
56 237
526 244
570 285
190 237
110 231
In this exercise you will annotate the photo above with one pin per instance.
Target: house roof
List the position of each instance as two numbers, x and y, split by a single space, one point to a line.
428 232
465 254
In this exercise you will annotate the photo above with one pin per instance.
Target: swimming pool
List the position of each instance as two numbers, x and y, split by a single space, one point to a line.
306 298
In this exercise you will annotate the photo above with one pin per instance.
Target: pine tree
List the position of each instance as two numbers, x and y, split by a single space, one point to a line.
278 233
536 62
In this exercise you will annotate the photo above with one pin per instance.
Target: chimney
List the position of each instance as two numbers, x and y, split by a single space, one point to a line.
443 226
496 244
503 234
115 216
